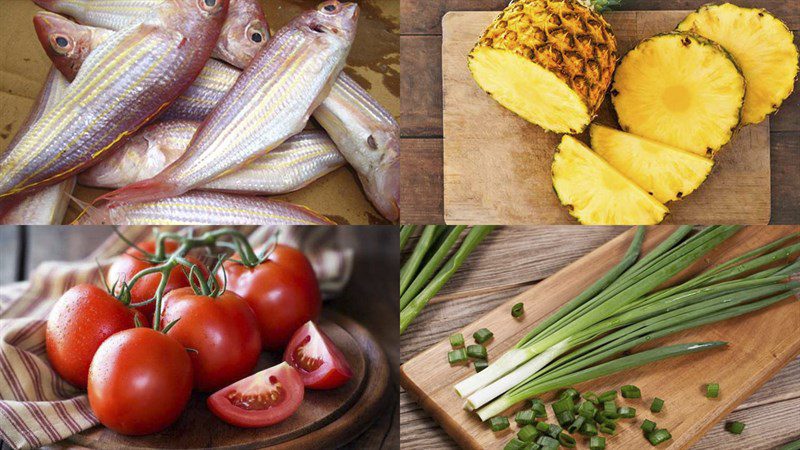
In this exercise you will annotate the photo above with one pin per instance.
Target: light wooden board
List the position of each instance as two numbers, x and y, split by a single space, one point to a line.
497 165
759 345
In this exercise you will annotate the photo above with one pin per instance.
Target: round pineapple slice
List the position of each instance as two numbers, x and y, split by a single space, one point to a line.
681 90
666 172
548 61
596 193
762 46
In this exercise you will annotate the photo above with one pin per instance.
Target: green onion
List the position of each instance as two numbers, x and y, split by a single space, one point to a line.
457 356
608 428
566 440
563 405
480 364
657 405
626 412
482 335
524 417
410 267
597 443
429 269
514 444
548 443
712 390
405 233
587 410
734 427
795 445
630 391
544 427
517 310
538 408
576 424
648 426
607 396
554 430
658 436
588 429
477 351
591 397
528 433
457 340
571 393
610 410
499 423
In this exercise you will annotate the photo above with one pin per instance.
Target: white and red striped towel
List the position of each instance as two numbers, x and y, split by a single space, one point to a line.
39 408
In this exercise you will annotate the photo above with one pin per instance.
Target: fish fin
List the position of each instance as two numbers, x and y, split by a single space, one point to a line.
50 5
143 191
90 215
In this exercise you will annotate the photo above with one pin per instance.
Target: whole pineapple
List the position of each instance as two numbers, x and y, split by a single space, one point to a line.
549 61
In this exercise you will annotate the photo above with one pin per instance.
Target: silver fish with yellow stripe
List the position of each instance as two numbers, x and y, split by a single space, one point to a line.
271 101
126 81
204 208
296 163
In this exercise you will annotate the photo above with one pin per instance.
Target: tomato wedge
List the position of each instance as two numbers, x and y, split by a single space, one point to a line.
320 363
264 398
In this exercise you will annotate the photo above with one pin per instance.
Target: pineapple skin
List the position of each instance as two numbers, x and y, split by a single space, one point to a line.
564 37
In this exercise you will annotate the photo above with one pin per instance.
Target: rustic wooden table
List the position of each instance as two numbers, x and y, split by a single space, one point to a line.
375 271
421 108
509 262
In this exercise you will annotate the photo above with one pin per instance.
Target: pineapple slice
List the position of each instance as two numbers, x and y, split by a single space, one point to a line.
681 90
762 46
598 194
548 61
666 172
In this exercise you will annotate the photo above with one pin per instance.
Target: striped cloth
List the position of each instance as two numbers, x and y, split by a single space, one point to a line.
37 407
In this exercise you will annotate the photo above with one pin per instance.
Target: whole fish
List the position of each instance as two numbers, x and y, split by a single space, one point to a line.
296 163
203 208
127 80
271 101
46 206
243 33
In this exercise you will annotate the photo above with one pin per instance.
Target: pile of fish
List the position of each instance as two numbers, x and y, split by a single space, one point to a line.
194 113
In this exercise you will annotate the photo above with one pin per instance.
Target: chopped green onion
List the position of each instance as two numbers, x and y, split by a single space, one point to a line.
457 356
563 410
608 428
607 396
565 418
658 436
524 417
477 351
566 440
626 412
587 410
597 443
657 405
554 430
712 390
515 444
499 423
588 429
648 426
735 427
538 408
457 340
601 418
590 397
528 433
576 424
548 443
544 427
571 393
630 391
482 335
480 364
610 409
517 310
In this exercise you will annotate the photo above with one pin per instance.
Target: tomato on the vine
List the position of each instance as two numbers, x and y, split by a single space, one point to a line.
80 321
283 292
320 363
140 381
262 399
134 261
221 331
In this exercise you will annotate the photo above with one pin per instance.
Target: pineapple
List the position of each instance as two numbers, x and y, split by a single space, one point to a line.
681 90
549 61
598 194
762 46
666 172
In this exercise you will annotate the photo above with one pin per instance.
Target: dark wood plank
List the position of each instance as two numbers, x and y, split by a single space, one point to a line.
421 16
785 164
421 184
9 253
421 86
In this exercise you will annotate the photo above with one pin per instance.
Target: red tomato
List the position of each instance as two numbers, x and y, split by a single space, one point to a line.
133 261
321 365
222 330
282 291
80 321
140 381
262 399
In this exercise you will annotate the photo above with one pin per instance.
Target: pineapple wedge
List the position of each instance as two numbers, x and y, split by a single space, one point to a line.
762 46
666 172
548 61
598 194
681 90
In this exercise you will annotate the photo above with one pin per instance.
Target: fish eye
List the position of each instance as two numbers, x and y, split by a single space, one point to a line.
330 8
61 41
210 6
210 3
256 31
371 142
256 37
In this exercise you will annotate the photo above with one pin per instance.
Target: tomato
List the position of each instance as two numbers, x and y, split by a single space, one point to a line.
282 291
262 399
222 330
320 363
140 381
133 261
80 321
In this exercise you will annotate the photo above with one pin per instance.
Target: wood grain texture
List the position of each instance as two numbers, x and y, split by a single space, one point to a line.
419 183
497 166
449 313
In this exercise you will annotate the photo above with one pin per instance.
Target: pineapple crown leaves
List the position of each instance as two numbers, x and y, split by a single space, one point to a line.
600 5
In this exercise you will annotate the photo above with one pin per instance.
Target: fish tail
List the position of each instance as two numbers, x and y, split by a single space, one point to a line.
143 191
90 215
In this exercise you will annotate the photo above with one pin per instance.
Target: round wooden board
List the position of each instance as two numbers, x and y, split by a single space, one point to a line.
323 415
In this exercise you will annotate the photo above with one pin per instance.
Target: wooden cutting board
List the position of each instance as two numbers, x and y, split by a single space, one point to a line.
759 345
328 418
497 165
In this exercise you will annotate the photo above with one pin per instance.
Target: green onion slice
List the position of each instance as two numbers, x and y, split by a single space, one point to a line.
499 423
457 356
457 340
517 310
657 405
482 335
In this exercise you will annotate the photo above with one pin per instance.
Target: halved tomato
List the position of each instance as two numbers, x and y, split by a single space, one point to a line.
320 363
264 398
